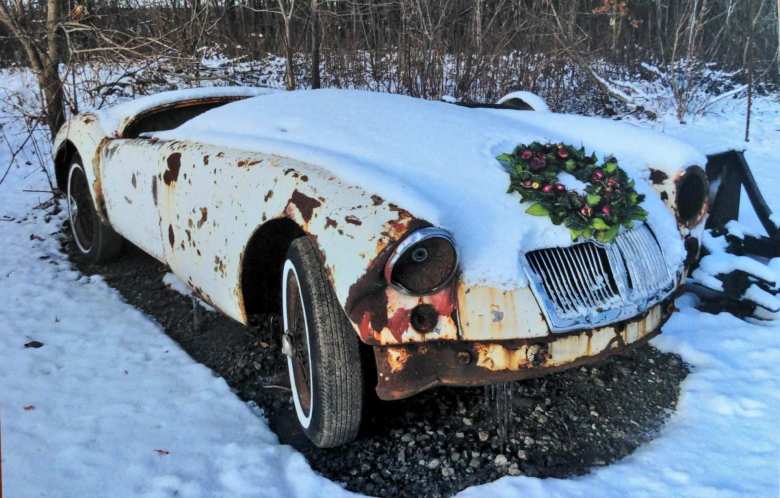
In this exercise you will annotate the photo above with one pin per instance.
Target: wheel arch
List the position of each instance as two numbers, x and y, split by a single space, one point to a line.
261 265
63 157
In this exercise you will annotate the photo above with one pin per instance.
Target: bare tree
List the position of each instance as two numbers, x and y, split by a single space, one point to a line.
43 52
315 44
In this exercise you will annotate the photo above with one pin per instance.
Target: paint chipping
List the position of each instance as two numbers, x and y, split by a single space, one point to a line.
305 204
245 163
174 165
657 176
204 216
353 220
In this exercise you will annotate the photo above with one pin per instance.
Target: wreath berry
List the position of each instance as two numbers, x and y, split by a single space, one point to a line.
607 202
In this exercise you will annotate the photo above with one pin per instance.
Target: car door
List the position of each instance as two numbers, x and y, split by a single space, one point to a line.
129 172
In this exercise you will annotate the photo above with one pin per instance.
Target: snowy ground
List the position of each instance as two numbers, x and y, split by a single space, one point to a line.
109 405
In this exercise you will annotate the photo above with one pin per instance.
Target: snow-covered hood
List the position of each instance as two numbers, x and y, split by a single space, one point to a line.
438 161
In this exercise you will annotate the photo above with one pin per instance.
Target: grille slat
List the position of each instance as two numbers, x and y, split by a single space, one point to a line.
590 284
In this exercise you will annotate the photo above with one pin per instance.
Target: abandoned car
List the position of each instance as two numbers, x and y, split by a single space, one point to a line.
457 244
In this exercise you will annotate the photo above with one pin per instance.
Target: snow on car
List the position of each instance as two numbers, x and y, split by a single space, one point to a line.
399 236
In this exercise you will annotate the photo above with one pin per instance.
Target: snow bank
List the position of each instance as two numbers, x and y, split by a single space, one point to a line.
109 405
111 118
438 161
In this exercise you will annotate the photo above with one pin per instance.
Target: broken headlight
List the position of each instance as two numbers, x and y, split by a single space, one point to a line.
691 196
423 262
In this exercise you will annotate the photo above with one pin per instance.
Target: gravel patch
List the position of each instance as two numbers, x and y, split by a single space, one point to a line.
443 440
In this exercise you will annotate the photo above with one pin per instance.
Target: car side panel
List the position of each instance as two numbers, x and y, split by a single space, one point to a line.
129 171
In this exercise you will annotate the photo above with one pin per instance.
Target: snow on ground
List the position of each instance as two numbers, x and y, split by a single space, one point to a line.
109 405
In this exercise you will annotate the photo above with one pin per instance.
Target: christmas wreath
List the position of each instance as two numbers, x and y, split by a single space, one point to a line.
599 200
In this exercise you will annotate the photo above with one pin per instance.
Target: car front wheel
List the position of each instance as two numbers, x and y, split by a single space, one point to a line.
322 349
94 239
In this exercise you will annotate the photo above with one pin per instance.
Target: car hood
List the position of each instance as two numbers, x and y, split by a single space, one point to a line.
437 160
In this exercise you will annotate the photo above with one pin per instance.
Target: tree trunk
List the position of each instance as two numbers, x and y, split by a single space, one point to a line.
315 44
289 54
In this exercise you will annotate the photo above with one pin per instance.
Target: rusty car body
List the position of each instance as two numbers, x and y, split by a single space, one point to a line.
222 218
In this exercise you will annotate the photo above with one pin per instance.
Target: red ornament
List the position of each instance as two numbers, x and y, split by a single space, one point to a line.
586 211
606 210
597 176
613 182
547 188
563 153
526 154
560 187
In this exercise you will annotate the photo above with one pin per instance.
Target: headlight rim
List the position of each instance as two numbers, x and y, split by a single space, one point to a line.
701 212
410 241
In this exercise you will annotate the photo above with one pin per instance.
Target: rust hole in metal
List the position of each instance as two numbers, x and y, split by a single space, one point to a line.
174 165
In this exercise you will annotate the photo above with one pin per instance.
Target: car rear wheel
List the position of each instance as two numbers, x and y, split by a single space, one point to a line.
94 239
322 349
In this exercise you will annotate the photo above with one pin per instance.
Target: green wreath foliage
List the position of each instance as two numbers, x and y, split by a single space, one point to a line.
609 201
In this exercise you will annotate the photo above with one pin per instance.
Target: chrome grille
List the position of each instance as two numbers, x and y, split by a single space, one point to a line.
591 284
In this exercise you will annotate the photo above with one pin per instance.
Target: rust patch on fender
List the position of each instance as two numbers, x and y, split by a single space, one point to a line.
657 176
399 322
174 165
366 303
204 216
245 163
97 185
305 204
353 220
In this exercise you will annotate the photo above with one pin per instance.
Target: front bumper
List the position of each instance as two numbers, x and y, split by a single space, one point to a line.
405 370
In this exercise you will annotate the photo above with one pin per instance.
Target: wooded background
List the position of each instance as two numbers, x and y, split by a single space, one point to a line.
472 49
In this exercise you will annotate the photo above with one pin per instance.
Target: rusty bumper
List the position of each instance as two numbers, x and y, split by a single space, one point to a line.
403 371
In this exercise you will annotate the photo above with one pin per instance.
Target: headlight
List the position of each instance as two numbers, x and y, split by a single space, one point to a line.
691 198
423 262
